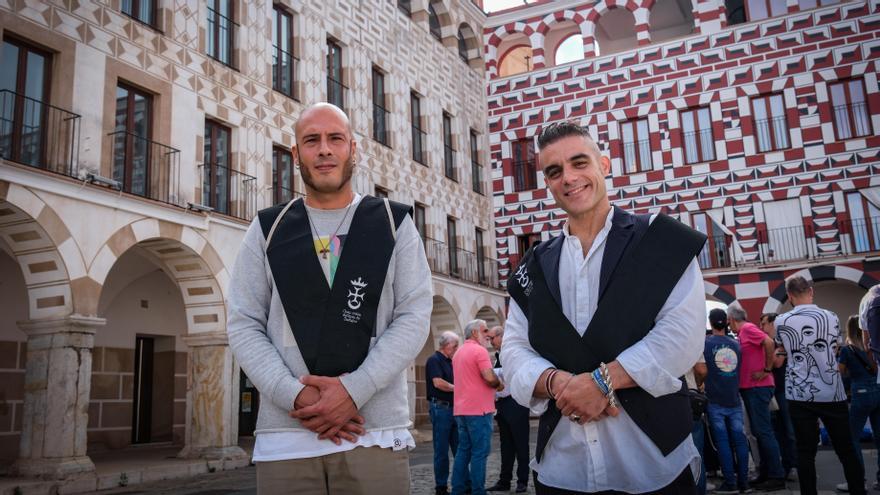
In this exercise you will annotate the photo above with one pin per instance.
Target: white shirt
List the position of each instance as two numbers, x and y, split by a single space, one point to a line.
286 445
811 336
612 453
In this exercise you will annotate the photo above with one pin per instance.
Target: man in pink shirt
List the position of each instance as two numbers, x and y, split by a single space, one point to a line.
473 408
756 388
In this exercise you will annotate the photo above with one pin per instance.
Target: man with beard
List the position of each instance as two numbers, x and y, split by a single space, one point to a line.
604 319
329 302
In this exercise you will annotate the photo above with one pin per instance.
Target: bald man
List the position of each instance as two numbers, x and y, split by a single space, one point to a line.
329 303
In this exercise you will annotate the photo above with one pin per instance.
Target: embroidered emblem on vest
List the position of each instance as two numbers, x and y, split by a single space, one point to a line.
522 277
355 300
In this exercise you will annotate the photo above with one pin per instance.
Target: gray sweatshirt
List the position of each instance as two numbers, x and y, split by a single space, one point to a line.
262 341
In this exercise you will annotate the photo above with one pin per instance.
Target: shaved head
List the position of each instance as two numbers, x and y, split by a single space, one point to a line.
321 110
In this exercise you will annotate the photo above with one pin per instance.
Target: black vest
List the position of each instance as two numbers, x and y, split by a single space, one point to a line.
332 325
641 265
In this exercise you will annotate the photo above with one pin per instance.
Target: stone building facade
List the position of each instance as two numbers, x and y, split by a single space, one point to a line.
754 121
138 138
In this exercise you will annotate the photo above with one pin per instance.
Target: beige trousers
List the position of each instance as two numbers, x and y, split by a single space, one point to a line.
362 470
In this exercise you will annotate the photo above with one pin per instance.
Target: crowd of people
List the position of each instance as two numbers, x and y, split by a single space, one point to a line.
788 373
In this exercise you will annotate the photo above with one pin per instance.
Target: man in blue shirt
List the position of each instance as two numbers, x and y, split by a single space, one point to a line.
723 358
439 383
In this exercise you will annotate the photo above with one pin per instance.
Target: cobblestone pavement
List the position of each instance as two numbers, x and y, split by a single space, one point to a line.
243 481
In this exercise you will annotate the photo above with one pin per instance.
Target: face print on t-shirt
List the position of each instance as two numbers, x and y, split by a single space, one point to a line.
812 346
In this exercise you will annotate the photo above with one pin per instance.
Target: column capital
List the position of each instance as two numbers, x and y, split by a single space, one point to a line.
74 323
206 339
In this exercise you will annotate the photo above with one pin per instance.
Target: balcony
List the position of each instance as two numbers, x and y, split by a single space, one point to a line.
229 191
380 125
220 38
637 156
336 92
146 168
795 244
853 120
699 146
419 137
39 135
525 176
772 134
449 163
284 195
461 264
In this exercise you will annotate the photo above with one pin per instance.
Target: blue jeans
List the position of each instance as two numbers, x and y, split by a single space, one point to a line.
757 402
445 438
474 442
784 431
727 426
699 437
865 404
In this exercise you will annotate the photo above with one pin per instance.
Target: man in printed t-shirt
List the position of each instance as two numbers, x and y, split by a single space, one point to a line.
722 355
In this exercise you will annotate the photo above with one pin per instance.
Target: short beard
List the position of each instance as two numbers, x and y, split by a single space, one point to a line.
347 172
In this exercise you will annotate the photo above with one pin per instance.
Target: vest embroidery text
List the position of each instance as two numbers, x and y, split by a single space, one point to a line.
522 277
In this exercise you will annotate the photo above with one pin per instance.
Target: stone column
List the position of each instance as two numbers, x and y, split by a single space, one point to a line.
211 399
57 383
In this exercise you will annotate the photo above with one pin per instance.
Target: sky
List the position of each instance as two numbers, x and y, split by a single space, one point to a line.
493 5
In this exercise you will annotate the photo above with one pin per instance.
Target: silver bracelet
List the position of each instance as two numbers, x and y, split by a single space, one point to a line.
606 375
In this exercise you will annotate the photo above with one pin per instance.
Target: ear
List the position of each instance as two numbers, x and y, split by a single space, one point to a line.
354 150
293 151
605 163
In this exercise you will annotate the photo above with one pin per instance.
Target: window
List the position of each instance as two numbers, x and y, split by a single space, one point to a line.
864 220
736 12
419 220
448 150
850 109
282 175
221 31
380 111
764 9
405 6
131 142
523 244
452 242
525 175
418 135
516 60
476 168
636 146
699 146
283 61
716 252
462 47
335 88
481 254
381 192
216 177
141 10
24 83
771 127
434 22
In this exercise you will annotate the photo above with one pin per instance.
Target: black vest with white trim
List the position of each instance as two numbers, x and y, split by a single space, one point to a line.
332 325
642 262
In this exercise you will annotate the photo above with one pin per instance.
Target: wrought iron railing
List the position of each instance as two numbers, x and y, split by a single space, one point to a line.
37 134
380 124
637 156
699 146
229 191
282 194
863 235
461 264
525 176
284 71
852 120
477 177
146 168
717 253
221 37
785 244
772 134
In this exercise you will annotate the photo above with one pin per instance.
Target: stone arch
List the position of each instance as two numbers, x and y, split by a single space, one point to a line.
607 14
490 315
486 308
817 274
495 39
42 246
444 17
468 45
185 256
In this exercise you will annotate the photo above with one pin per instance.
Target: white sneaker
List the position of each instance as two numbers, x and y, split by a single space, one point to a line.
842 487
710 487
